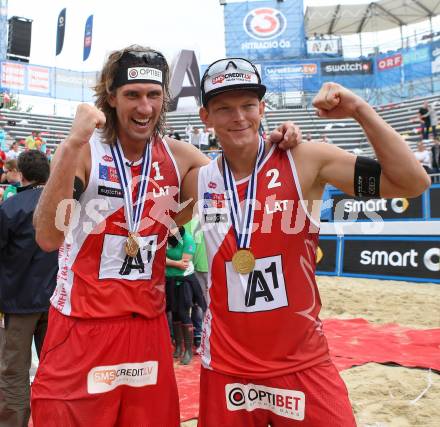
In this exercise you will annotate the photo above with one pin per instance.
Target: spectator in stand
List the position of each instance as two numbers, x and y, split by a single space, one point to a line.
13 152
174 134
326 139
189 132
212 139
28 277
182 289
30 141
204 139
309 138
49 154
425 119
196 137
423 156
435 159
2 139
2 162
11 176
4 100
40 142
434 119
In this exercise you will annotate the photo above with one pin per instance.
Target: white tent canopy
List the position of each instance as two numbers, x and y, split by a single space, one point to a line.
369 17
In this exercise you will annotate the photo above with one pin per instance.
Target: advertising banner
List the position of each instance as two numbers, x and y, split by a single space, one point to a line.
417 55
74 85
327 255
389 62
88 37
346 68
287 76
13 75
264 29
347 208
3 30
435 52
324 47
38 79
413 258
61 26
434 197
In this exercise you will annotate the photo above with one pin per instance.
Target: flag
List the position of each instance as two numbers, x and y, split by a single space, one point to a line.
88 37
61 25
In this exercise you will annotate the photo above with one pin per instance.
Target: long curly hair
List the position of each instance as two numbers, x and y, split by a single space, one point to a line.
104 88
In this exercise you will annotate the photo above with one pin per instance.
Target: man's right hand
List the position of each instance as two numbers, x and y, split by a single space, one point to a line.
87 119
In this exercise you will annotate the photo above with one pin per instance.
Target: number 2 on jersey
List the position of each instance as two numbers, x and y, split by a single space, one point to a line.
274 174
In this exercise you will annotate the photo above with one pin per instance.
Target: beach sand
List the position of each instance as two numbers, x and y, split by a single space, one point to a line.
383 396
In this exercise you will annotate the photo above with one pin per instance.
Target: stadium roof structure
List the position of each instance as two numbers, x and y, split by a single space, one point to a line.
369 17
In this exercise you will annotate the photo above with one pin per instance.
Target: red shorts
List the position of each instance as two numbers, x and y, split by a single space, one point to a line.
105 372
313 397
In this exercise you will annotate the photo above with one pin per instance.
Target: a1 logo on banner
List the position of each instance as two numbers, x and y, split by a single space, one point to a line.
264 23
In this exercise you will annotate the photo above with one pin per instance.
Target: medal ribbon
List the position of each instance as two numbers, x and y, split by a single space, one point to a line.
133 217
242 222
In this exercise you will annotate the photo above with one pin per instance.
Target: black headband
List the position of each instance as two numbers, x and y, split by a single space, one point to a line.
140 67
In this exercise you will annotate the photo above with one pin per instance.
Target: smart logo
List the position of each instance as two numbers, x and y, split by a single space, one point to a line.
319 255
264 23
399 205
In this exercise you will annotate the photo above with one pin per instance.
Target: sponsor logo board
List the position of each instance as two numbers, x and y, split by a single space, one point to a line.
398 257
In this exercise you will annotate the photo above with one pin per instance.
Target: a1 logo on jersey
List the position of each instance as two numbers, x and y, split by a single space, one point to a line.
263 289
116 264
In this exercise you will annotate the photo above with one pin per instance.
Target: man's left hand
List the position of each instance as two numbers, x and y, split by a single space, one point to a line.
287 136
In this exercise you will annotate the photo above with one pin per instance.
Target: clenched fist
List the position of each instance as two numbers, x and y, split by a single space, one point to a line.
87 119
287 135
334 101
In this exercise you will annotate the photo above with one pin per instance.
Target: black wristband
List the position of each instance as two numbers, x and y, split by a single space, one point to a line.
367 177
78 188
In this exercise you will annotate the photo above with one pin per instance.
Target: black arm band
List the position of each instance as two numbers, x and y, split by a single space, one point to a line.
78 188
367 177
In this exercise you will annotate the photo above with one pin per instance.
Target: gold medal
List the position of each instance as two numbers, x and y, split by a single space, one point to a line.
243 261
132 245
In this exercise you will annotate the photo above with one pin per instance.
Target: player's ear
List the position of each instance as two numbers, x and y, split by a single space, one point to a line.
204 116
262 107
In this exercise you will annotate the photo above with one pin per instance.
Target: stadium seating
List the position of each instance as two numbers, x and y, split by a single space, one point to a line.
344 133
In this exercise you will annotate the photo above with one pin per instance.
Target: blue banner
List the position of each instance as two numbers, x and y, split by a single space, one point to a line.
88 37
3 32
35 80
435 53
289 76
61 26
265 30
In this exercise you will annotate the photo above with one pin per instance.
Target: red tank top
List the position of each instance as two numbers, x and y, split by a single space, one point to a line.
265 323
96 277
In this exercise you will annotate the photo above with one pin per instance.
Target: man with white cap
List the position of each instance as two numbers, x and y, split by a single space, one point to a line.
265 358
108 343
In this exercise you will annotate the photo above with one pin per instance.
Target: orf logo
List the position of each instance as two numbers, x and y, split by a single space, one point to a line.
264 23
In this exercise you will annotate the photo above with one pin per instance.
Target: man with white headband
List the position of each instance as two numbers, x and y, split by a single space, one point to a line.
107 359
265 358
